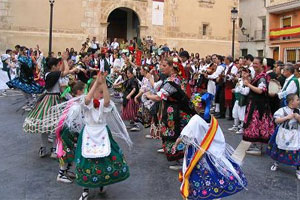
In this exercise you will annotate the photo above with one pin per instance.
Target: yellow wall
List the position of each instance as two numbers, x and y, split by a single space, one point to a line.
26 22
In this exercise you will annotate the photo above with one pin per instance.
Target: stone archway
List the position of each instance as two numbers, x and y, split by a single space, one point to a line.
124 24
139 8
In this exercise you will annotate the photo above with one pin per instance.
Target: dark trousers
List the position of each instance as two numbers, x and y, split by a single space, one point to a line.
222 100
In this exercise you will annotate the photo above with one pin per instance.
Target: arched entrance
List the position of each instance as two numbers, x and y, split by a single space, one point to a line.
123 23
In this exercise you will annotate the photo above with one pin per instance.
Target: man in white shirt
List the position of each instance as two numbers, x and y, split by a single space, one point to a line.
94 45
291 84
249 62
230 73
115 44
217 78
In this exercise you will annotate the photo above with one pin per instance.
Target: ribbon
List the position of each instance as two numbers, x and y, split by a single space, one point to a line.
60 152
66 91
209 137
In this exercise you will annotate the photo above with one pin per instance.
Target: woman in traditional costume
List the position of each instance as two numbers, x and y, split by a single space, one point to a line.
99 159
175 109
34 122
209 171
284 145
130 108
258 111
143 114
25 81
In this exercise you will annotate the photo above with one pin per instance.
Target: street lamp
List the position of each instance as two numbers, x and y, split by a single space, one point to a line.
50 29
234 16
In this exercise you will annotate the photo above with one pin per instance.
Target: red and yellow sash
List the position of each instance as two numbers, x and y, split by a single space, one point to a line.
198 155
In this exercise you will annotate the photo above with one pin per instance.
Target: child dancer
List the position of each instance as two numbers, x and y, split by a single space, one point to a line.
209 171
99 159
239 108
284 145
67 134
34 122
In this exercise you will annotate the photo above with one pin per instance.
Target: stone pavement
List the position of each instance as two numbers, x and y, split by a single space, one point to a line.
26 176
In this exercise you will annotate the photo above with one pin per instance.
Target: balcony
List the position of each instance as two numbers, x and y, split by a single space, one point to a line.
259 35
270 3
281 6
287 33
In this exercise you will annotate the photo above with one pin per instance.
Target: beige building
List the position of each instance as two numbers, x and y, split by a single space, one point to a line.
202 26
284 30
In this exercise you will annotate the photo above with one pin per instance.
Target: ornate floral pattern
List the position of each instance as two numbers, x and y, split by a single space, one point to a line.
282 156
210 184
99 172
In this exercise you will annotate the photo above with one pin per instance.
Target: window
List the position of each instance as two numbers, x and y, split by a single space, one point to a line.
263 32
244 52
260 53
291 55
298 59
204 29
286 22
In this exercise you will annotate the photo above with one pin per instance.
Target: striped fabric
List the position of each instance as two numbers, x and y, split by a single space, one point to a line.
129 112
34 122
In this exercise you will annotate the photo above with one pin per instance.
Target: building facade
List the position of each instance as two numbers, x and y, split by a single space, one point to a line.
252 27
202 26
284 29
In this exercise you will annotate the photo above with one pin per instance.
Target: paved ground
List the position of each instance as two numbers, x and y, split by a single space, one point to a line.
25 176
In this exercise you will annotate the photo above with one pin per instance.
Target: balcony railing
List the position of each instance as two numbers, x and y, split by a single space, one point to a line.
270 3
285 33
260 35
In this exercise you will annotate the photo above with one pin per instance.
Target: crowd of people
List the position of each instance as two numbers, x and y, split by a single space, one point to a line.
176 96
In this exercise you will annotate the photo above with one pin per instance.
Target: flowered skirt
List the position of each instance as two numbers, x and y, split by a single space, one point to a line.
280 155
31 88
69 141
35 123
210 184
98 172
129 112
144 116
260 128
169 136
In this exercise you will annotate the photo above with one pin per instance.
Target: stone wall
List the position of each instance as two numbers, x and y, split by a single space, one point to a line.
183 23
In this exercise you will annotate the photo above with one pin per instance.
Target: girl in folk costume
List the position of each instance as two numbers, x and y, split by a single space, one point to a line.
144 115
258 112
209 170
99 159
284 145
34 122
25 81
241 92
67 133
130 108
175 109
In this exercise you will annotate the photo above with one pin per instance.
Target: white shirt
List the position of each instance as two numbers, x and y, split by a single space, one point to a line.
234 71
102 65
211 85
114 45
291 88
94 45
252 70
